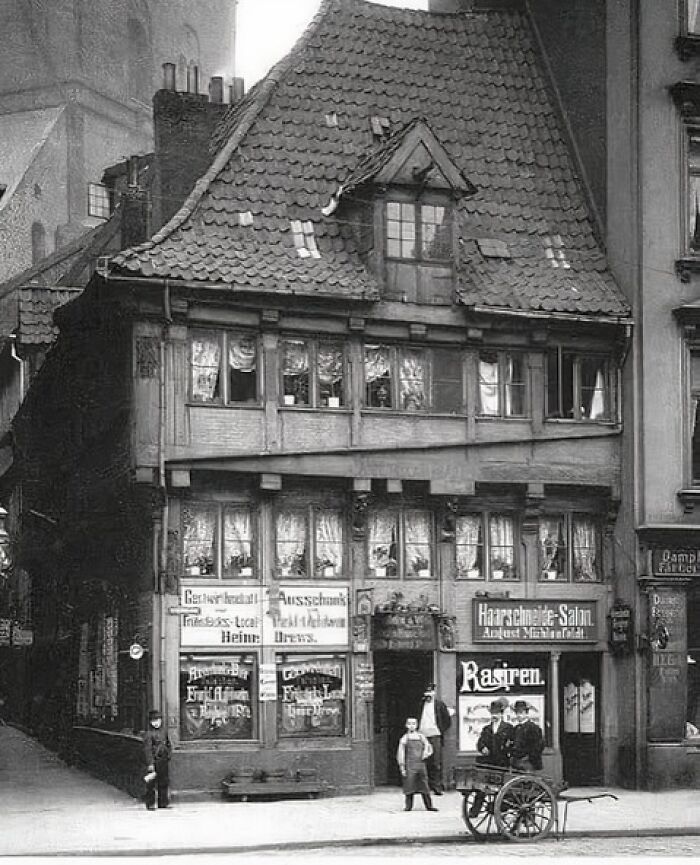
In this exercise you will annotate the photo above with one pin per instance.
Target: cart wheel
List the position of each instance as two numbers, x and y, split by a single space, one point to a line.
525 808
483 825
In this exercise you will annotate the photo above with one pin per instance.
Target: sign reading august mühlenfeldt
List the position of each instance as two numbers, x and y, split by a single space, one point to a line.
534 621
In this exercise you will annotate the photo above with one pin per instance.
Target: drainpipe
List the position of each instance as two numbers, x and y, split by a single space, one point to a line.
15 356
163 558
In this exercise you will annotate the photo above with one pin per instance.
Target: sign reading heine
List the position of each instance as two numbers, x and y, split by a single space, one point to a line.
524 621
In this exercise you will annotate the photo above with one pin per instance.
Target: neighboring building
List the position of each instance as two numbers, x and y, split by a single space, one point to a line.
349 422
76 81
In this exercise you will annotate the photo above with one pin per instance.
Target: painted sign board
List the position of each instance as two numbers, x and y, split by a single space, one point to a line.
5 631
267 683
309 616
675 562
496 620
399 631
22 636
229 616
667 663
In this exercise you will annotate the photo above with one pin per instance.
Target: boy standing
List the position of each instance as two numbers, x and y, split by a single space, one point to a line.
414 749
157 749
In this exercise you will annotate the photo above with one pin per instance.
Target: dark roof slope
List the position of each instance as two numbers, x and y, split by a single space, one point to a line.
36 308
476 81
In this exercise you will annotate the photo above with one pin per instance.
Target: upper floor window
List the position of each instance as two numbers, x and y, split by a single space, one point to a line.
570 548
309 542
224 367
502 384
693 22
208 528
418 232
693 240
413 379
99 204
400 542
312 373
486 547
579 386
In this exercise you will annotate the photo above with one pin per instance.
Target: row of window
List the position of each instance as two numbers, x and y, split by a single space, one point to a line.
225 369
218 696
221 540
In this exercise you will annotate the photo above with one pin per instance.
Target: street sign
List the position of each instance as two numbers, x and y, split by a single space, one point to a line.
184 611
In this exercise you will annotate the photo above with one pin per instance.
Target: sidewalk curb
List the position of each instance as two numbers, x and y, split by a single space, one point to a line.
292 846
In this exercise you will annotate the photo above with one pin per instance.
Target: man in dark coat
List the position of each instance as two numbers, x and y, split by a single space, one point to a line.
528 742
157 749
435 720
494 747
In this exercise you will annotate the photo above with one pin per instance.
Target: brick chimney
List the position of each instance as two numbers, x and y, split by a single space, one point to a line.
183 126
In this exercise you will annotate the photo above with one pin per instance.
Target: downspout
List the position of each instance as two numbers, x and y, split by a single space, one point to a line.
163 558
15 356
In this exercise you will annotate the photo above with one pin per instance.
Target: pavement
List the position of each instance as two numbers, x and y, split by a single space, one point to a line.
50 809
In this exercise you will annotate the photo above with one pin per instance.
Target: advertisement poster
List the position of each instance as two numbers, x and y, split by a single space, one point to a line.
227 616
216 696
267 690
309 616
482 678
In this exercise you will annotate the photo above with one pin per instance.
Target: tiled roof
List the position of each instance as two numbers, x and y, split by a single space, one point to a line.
476 81
36 309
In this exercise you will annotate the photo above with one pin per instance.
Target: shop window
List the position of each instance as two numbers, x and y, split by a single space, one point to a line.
502 384
413 379
485 547
309 541
311 695
400 542
570 549
313 373
418 232
217 697
210 382
203 524
579 386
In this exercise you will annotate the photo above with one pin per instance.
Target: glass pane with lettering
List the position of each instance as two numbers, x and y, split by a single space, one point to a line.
199 539
216 697
311 696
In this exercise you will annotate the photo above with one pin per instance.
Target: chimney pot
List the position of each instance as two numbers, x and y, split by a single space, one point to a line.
193 78
169 76
237 90
216 89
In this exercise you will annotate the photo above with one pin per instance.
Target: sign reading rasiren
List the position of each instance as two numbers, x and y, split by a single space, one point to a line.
525 621
309 616
228 616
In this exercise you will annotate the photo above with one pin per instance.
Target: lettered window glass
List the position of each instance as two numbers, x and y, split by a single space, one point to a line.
217 697
238 542
312 695
199 525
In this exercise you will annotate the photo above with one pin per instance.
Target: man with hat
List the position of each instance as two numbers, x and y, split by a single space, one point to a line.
528 741
494 746
435 720
157 749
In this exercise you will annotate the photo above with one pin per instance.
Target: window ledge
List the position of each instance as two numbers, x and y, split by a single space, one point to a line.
688 46
686 266
689 498
248 406
578 422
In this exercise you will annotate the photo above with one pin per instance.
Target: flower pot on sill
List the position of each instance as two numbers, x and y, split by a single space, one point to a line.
329 571
380 572
246 572
194 571
473 574
424 572
497 574
550 575
289 399
333 402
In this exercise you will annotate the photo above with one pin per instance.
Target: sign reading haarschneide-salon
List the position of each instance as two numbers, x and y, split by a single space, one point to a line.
530 621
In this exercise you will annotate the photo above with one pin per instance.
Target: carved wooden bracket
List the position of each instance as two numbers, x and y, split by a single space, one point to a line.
360 503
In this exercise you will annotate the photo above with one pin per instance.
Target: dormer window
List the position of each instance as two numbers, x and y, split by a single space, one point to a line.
418 232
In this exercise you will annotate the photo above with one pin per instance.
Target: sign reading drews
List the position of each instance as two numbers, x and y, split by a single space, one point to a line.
513 621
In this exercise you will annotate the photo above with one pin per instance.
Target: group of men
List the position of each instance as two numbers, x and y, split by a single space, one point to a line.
519 745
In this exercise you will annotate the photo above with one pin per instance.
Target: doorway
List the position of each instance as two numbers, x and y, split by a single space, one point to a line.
580 702
399 682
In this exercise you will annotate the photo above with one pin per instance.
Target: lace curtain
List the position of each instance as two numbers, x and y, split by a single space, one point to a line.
382 541
501 536
468 542
329 542
237 540
330 364
295 357
585 549
200 528
242 353
551 546
291 541
206 354
417 542
488 386
593 388
377 362
412 380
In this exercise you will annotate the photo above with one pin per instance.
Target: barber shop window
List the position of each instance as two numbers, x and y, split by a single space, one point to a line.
414 379
579 386
312 698
486 547
312 373
309 542
224 368
502 384
418 232
570 549
400 542
207 529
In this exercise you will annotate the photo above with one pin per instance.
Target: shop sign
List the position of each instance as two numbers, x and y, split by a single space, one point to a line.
674 562
399 631
530 621
22 636
5 631
483 678
267 683
667 663
228 617
309 616
621 636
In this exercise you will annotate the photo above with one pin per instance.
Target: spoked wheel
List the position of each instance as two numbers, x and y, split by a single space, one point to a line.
525 809
482 825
